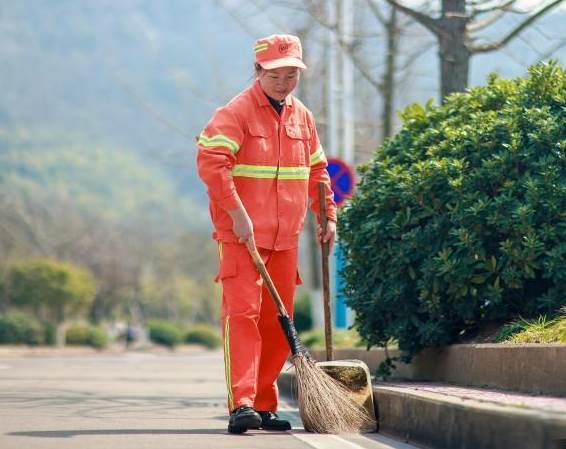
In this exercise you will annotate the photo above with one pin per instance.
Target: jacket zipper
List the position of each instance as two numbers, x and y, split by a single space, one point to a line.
279 131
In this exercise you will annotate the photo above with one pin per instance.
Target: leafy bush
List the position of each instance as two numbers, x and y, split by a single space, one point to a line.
18 328
460 218
77 335
50 333
302 316
164 333
98 338
203 334
84 335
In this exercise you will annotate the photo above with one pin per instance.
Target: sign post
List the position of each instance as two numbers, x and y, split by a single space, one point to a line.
342 179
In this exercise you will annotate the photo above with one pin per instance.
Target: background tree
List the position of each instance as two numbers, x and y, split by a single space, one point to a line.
54 290
455 31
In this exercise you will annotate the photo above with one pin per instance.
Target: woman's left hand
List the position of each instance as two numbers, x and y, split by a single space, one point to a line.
330 235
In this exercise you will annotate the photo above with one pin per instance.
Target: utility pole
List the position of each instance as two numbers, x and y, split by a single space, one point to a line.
340 140
343 316
332 142
347 84
333 86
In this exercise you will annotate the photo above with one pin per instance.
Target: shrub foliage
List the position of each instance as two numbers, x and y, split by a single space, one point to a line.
460 219
19 328
203 334
165 333
86 335
302 316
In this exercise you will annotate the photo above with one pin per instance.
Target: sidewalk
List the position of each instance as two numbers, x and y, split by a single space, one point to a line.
542 404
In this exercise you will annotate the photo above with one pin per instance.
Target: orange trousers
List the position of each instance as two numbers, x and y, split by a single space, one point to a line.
255 347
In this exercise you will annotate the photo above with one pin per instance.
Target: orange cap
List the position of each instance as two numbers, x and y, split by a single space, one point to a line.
279 50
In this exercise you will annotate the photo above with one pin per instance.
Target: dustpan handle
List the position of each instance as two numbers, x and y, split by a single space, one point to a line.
325 251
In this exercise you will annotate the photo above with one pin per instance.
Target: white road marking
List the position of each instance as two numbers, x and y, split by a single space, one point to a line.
345 441
320 441
315 440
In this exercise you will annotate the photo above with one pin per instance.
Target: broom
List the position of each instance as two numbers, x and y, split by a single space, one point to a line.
325 404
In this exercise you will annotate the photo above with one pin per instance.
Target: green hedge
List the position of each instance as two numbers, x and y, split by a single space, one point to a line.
84 335
165 333
203 334
302 316
460 219
19 328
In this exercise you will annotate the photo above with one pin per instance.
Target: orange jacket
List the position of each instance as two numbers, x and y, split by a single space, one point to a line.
270 164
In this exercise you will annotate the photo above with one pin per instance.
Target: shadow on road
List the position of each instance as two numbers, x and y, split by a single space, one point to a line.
74 433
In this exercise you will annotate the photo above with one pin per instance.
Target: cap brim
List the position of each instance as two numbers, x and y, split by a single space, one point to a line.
283 62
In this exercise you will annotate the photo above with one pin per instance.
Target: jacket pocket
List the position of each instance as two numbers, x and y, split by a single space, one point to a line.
298 131
258 145
299 136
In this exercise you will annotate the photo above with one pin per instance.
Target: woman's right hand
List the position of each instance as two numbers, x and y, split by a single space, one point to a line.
242 224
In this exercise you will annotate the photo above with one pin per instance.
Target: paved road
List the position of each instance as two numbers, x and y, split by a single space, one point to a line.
136 400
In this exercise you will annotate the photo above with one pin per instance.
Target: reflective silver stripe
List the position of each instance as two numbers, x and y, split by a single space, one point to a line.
255 171
294 172
270 172
317 156
228 371
219 140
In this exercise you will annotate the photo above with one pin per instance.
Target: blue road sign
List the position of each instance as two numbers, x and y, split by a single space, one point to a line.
342 180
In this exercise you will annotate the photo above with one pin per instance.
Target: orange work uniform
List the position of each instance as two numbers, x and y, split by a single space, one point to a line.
271 164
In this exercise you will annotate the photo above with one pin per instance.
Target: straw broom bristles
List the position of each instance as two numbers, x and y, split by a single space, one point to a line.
325 405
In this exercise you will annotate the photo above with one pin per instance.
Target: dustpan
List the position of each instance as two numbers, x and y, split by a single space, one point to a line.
353 374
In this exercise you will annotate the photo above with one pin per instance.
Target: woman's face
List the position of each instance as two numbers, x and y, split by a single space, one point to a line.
278 83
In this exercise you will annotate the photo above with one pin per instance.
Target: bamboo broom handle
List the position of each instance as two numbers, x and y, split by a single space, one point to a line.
325 250
258 262
295 343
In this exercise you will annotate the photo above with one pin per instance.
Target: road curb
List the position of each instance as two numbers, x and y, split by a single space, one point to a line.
530 368
442 421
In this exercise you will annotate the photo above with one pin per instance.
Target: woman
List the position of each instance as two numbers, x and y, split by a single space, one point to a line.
261 160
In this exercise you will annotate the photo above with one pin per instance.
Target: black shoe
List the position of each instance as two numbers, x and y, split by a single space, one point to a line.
242 419
270 421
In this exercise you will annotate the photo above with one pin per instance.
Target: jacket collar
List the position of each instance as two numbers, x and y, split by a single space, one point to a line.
261 98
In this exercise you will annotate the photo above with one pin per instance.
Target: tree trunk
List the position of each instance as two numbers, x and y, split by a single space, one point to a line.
454 55
389 75
60 334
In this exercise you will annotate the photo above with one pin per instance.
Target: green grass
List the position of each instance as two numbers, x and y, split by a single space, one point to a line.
540 330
